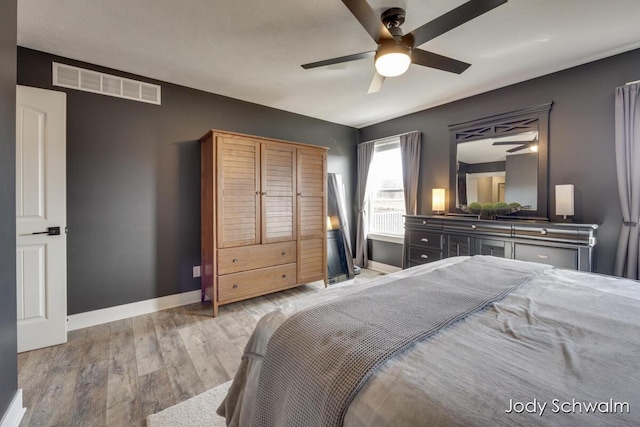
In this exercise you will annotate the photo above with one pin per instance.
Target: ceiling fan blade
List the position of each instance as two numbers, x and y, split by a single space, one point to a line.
523 147
376 83
451 20
368 19
339 60
433 60
511 142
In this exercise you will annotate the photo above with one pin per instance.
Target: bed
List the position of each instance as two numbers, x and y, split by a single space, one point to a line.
559 347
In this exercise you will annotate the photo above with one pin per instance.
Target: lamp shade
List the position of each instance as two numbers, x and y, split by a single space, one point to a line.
437 200
564 199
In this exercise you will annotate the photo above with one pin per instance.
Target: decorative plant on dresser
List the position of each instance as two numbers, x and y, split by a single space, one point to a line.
263 216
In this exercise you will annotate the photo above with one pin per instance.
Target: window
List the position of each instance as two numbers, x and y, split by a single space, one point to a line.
385 189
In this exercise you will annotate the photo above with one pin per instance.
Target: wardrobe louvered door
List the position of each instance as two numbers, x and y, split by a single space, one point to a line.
278 193
312 250
238 219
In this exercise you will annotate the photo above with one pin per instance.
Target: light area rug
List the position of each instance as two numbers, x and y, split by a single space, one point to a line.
199 411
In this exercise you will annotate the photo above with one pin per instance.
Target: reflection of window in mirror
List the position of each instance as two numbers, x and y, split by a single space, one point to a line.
499 169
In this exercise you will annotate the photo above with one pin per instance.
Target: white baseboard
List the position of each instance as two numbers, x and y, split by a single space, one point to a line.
385 268
105 315
15 412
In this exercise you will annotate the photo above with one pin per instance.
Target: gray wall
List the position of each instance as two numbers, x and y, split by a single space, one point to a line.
581 139
133 181
385 252
8 343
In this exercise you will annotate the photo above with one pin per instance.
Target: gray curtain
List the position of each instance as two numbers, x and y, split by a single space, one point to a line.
365 154
410 153
627 126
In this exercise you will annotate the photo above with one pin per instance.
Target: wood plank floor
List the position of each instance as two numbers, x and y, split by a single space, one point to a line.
117 373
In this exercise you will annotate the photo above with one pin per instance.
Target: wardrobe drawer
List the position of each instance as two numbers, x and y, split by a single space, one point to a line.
243 258
239 286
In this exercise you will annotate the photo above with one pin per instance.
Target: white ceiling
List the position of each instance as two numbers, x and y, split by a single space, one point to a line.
252 49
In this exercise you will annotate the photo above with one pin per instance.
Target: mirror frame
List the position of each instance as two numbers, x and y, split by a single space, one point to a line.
535 117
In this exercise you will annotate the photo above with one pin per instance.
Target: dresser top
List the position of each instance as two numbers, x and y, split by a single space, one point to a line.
504 221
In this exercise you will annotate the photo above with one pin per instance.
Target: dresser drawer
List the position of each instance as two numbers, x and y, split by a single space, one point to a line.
426 239
233 260
239 286
558 257
420 222
418 255
493 228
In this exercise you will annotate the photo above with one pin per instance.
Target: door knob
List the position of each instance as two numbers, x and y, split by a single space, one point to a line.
51 231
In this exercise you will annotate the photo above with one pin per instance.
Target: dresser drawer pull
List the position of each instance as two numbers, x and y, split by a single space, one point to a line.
474 226
235 286
424 222
543 231
284 276
235 260
424 239
543 256
283 253
424 256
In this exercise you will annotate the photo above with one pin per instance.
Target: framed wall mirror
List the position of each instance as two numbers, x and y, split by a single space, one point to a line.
502 157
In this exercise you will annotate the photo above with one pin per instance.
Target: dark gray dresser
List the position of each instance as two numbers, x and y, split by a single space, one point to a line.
563 245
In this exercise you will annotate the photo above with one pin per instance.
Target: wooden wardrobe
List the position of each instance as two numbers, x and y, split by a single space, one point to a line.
263 216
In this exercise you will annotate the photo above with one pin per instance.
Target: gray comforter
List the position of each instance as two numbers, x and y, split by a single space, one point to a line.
563 349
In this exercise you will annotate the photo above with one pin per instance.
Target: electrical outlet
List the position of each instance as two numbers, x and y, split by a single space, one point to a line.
196 271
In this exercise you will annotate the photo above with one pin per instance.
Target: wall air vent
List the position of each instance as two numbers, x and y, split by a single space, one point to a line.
105 84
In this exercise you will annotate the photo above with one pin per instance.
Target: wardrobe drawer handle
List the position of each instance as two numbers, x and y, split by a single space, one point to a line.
283 253
284 276
235 260
424 239
424 222
235 286
424 256
543 231
474 226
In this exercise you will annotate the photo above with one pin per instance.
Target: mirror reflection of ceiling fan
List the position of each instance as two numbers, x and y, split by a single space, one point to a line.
523 145
396 51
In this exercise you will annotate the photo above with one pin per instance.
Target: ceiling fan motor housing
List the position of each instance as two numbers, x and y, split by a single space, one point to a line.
393 17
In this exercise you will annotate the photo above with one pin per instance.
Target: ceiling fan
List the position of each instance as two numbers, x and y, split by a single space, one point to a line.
396 51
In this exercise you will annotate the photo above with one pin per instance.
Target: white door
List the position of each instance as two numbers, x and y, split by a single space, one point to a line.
41 217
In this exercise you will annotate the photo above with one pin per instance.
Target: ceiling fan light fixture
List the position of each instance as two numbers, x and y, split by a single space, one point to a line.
392 59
